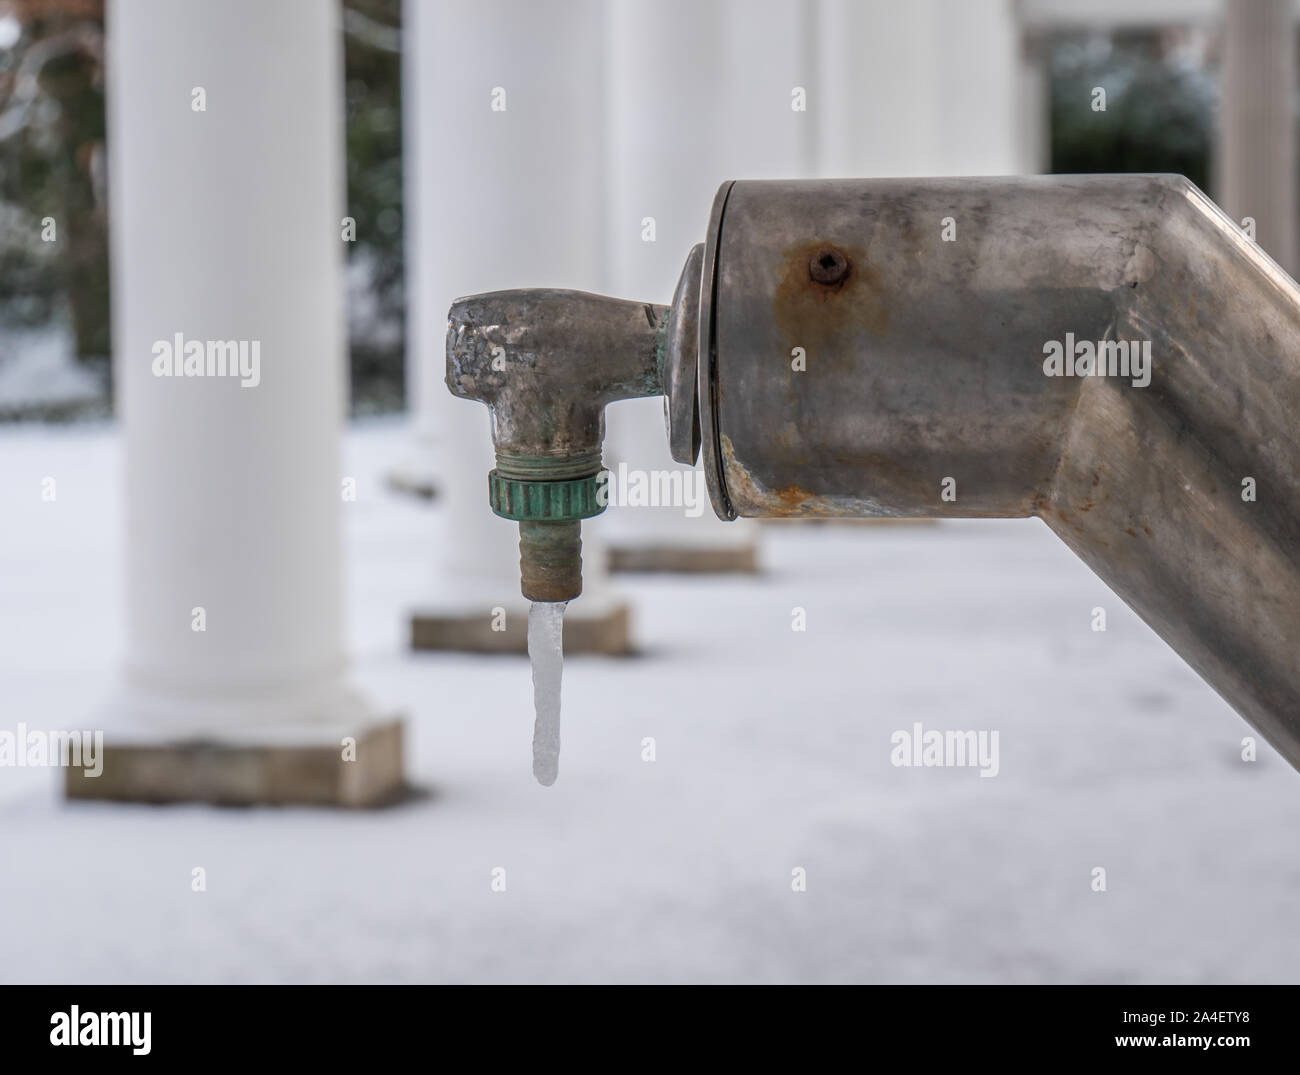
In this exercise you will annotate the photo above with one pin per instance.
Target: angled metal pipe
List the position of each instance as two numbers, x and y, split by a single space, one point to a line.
928 358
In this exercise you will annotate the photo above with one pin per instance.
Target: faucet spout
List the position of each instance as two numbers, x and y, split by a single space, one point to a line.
546 362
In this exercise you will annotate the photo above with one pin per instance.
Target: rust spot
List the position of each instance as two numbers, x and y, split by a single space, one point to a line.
1146 530
791 498
811 313
1130 531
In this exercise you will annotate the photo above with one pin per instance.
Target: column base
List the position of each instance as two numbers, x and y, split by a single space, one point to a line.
415 473
684 559
413 481
604 629
296 767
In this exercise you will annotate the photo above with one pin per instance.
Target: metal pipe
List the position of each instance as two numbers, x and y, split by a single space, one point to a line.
928 358
931 348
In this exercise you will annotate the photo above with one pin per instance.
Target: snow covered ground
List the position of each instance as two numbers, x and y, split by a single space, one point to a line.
38 374
772 753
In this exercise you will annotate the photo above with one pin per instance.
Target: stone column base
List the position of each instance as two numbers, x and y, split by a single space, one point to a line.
685 559
416 473
412 482
604 629
289 769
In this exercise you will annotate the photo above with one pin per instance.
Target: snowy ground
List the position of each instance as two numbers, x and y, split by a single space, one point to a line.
772 753
39 376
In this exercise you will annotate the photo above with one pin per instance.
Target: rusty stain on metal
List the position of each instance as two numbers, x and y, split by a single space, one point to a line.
791 500
810 313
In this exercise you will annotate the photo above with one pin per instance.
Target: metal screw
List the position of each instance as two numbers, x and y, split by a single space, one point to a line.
828 266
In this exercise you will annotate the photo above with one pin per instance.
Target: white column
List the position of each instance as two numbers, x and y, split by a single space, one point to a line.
768 52
698 93
1033 91
918 88
508 184
226 226
417 472
1257 141
975 58
876 96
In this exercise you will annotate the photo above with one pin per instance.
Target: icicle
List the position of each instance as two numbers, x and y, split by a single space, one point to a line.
546 651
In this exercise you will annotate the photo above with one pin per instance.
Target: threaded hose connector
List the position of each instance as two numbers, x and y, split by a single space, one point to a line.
548 501
550 560
527 499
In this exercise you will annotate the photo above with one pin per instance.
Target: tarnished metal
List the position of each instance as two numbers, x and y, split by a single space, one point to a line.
706 361
926 362
550 560
681 395
546 362
828 266
882 348
534 500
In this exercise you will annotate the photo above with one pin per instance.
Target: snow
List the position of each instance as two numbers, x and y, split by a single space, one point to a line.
37 370
771 751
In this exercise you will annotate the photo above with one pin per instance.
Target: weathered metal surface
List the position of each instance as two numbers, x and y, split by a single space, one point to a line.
546 362
522 500
550 560
922 357
681 395
706 360
925 361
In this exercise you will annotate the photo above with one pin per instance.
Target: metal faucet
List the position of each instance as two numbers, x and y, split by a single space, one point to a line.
546 362
898 348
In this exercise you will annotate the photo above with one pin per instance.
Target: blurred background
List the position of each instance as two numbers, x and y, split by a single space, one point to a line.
1159 62
230 582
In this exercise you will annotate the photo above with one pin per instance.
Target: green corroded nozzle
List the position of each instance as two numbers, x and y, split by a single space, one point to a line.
550 561
550 513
